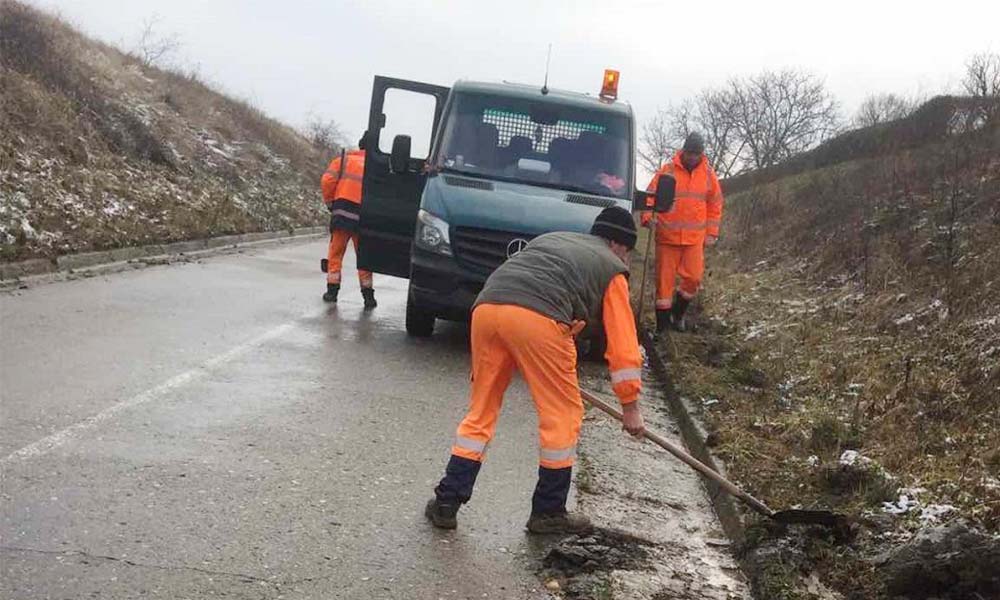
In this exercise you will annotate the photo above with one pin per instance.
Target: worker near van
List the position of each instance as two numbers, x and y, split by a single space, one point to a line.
341 184
683 232
526 319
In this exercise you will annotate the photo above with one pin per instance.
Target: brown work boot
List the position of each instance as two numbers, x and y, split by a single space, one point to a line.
442 515
566 522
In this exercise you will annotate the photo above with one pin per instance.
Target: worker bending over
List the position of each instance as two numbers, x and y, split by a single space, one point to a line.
526 318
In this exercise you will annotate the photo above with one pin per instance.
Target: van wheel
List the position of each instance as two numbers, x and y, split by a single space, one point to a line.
419 322
593 349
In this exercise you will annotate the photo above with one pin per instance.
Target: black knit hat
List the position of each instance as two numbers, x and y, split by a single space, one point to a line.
615 224
694 142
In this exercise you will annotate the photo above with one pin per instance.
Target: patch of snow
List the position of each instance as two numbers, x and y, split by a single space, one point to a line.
755 331
901 506
852 458
934 512
28 231
905 319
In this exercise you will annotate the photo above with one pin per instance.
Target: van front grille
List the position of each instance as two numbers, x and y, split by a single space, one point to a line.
483 250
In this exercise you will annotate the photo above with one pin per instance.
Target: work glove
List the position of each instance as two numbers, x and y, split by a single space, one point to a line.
711 240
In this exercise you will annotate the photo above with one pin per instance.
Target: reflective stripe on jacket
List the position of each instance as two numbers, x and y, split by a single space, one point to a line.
697 208
342 190
623 356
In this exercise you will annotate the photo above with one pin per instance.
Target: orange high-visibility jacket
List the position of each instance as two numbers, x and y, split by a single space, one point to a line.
624 359
342 190
697 208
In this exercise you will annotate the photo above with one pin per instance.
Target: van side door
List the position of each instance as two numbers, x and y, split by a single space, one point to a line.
391 193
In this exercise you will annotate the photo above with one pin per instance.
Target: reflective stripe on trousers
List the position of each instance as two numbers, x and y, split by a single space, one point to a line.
557 455
335 258
506 338
686 262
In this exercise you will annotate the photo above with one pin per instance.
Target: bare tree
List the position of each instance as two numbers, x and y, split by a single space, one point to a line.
324 134
780 114
153 48
982 75
882 108
982 82
715 119
710 114
657 140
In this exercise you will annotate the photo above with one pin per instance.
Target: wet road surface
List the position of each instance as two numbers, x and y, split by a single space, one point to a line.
214 429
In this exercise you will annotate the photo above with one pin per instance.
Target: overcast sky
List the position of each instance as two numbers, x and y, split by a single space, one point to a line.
296 57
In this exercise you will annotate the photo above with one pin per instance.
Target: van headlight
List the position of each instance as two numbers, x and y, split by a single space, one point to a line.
432 233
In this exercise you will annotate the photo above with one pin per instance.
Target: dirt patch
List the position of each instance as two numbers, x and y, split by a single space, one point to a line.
600 550
657 535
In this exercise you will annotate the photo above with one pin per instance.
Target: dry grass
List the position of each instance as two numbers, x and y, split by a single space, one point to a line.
857 308
98 150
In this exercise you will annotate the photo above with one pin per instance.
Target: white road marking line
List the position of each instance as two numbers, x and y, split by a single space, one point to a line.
61 437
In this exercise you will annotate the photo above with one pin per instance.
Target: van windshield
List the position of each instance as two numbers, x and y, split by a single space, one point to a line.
537 142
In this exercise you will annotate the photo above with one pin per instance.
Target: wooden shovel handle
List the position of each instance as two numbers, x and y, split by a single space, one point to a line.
691 461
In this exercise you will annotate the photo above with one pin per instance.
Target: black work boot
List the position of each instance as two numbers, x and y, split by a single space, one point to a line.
677 312
566 522
441 515
369 296
662 320
332 289
548 504
454 490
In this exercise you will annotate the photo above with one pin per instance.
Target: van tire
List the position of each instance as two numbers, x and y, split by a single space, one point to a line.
592 349
419 321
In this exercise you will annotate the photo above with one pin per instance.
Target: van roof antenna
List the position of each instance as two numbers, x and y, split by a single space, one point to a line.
548 59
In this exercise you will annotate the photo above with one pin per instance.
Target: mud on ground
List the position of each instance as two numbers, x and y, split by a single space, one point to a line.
657 536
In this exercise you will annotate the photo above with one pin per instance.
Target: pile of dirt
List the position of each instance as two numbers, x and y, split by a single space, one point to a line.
98 150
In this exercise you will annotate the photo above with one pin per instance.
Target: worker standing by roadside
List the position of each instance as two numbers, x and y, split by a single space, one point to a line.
683 232
526 318
341 185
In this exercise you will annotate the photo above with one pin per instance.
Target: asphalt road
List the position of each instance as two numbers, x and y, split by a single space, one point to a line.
213 429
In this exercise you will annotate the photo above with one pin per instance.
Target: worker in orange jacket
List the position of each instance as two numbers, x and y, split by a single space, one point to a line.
683 232
341 185
526 319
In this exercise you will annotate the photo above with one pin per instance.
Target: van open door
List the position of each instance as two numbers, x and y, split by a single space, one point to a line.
402 123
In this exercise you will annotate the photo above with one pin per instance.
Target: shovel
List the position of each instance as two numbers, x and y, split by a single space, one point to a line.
788 517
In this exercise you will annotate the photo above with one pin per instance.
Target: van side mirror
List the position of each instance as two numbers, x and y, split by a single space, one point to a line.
666 188
662 200
399 160
639 200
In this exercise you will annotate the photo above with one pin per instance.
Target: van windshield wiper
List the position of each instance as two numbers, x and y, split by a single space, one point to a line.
467 173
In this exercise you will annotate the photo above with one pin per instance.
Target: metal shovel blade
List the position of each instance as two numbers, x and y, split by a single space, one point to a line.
796 516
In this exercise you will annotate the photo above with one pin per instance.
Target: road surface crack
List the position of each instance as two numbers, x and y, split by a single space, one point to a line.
132 563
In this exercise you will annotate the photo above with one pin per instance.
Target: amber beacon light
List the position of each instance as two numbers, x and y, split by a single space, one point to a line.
609 90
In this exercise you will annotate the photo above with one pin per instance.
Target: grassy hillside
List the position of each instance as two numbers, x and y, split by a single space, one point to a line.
855 308
98 150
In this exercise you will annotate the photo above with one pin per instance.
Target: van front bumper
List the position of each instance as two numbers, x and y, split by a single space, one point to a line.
439 285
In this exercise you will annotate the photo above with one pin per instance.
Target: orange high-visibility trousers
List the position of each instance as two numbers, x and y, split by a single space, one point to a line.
672 261
335 258
505 337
